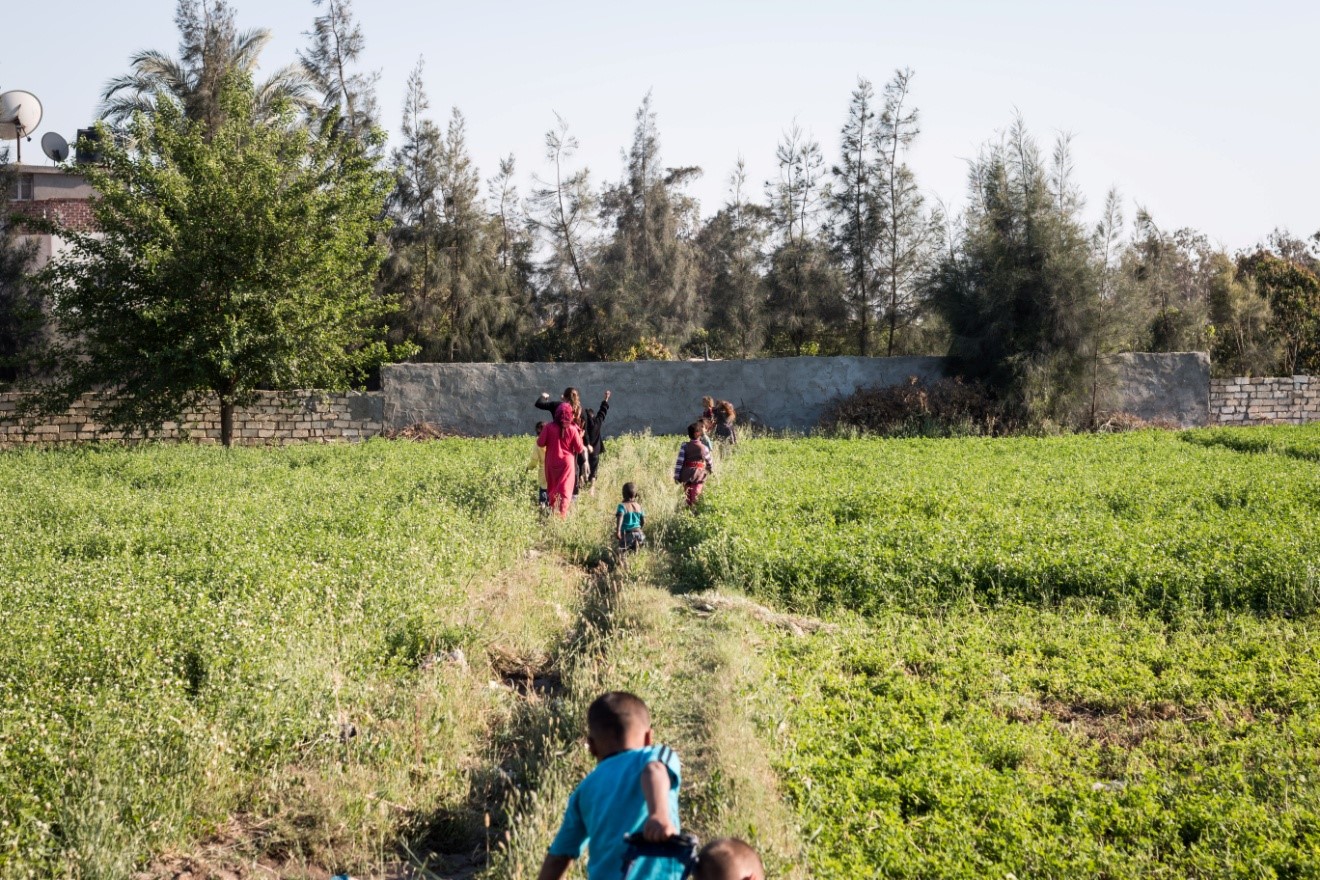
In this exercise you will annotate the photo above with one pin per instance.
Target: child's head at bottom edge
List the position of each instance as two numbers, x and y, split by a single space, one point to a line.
617 721
728 858
629 492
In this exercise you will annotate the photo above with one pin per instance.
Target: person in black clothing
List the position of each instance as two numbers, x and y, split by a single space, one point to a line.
592 422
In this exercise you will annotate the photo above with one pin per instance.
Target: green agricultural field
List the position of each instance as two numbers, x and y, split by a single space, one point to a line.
1071 657
188 632
1150 521
1075 657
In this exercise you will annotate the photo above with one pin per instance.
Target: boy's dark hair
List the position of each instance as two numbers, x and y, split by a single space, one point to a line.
612 715
629 491
693 430
727 857
540 426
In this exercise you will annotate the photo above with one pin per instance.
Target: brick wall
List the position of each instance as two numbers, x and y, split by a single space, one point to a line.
1287 400
75 214
275 419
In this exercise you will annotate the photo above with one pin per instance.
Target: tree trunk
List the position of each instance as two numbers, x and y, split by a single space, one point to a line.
893 316
226 421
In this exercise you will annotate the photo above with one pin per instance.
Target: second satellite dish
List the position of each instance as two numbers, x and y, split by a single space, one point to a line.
20 114
55 146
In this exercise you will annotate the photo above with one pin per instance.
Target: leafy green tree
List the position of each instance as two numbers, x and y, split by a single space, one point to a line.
211 52
348 95
732 259
1303 252
1019 290
1174 272
228 259
1293 292
646 271
21 316
1241 342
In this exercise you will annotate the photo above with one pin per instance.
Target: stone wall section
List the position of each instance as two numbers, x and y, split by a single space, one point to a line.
1279 400
1167 388
276 419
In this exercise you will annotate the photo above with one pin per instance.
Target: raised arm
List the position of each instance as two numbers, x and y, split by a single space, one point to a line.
544 402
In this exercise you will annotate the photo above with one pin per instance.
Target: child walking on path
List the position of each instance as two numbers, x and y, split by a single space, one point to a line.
634 787
562 441
693 465
629 519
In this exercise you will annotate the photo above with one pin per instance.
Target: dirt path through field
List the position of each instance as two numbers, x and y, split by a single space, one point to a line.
694 659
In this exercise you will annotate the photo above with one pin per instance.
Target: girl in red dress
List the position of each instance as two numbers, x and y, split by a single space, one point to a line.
562 440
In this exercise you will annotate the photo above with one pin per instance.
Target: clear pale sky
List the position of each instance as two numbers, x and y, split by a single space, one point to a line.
1205 113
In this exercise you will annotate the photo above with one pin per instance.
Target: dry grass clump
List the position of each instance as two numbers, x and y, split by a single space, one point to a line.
921 408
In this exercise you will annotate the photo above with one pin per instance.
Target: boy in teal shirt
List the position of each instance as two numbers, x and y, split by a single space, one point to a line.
633 788
629 519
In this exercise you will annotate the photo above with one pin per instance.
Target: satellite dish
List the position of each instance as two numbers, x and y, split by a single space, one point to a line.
20 114
55 146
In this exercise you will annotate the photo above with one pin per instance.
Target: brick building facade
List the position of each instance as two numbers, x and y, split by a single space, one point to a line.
51 194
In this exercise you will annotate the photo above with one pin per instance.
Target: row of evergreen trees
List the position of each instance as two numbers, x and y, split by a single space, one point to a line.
842 256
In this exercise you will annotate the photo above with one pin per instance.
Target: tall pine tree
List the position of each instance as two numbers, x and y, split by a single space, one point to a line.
805 300
856 207
909 235
646 273
732 247
563 215
348 95
1019 291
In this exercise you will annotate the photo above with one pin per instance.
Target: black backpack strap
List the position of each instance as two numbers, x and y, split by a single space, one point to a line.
682 848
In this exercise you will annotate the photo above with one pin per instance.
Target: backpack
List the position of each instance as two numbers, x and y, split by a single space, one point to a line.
693 472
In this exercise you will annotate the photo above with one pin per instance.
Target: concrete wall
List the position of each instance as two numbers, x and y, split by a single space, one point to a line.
1163 387
662 396
275 419
1286 400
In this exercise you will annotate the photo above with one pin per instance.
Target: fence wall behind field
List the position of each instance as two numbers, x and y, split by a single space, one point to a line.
664 396
660 396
